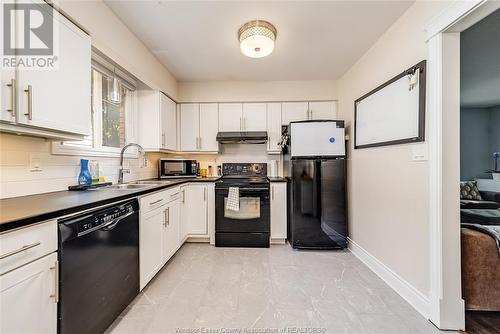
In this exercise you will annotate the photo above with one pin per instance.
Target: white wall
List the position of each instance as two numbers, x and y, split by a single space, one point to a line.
388 192
57 171
245 91
114 39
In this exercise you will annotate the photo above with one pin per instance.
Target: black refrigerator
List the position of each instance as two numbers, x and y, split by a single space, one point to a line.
317 214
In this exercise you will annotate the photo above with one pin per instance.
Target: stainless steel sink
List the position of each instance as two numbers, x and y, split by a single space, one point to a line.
148 182
130 186
155 182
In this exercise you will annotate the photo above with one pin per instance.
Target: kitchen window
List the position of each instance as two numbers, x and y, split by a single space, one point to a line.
113 116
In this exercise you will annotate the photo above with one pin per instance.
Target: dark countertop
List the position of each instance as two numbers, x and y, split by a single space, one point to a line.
276 179
22 211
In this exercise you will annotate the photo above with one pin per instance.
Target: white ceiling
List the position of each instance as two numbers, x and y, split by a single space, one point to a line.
197 40
480 63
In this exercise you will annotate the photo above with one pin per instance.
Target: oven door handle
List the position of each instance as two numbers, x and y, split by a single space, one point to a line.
247 189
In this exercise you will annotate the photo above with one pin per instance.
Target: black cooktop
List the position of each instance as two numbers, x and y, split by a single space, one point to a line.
243 175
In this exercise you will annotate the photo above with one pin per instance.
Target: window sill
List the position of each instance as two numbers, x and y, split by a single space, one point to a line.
64 149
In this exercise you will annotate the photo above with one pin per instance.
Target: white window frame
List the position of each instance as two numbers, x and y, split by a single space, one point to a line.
97 150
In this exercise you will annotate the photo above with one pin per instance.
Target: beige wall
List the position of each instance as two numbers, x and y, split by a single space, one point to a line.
113 38
236 91
388 192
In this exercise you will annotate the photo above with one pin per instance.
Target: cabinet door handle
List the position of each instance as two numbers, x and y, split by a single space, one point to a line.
55 295
29 91
13 97
163 140
272 192
205 194
167 216
183 195
156 202
199 146
19 250
241 123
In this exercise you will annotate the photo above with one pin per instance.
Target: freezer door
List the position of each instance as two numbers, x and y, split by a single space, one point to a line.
317 139
317 204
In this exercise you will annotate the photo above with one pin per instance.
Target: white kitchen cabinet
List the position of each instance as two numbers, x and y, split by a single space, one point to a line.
273 127
159 235
190 127
171 232
151 240
8 95
209 126
294 111
230 116
278 211
169 123
28 297
157 121
254 117
198 127
54 102
194 208
59 99
323 110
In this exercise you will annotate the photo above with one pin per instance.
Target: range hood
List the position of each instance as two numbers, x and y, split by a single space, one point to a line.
237 137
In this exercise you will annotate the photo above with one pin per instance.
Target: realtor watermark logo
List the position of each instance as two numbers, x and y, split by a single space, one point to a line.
29 36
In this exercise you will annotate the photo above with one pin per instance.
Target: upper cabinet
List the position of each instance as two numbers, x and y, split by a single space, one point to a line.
230 116
323 110
303 111
294 111
53 102
242 116
168 123
273 127
209 120
254 117
157 121
189 126
198 127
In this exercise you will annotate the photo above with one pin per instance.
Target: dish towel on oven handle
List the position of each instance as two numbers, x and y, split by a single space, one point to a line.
233 199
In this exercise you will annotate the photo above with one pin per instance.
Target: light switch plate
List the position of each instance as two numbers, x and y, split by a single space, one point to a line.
420 152
35 163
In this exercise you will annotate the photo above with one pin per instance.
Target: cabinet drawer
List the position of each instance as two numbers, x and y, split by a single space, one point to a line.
22 246
156 200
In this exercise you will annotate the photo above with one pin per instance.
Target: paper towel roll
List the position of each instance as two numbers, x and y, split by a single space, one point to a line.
273 168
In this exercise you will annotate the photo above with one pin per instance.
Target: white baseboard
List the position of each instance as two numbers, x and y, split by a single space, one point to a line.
414 297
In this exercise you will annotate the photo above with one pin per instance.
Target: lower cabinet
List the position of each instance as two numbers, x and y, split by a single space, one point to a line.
278 212
159 231
28 297
194 208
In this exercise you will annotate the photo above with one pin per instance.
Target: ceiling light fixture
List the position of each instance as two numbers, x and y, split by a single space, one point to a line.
257 38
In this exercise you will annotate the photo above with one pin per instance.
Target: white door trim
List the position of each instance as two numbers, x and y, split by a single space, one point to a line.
443 111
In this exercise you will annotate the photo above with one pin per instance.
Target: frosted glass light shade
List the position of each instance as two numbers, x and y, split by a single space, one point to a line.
257 38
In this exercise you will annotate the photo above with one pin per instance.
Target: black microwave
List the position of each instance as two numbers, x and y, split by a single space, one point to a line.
176 168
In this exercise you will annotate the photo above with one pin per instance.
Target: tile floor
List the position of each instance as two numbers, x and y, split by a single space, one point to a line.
205 288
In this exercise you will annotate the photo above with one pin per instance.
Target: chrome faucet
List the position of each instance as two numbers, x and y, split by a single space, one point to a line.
122 170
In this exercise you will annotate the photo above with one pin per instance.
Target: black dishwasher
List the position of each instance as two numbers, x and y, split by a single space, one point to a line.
99 267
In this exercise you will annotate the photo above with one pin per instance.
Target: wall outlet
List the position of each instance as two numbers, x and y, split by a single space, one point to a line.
144 162
420 152
35 163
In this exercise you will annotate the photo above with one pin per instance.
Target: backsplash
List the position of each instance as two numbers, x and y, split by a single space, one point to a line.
57 172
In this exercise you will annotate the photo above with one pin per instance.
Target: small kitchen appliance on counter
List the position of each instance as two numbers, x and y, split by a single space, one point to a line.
249 224
317 185
175 168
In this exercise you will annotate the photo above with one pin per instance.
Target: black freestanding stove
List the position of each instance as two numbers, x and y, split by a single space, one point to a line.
250 225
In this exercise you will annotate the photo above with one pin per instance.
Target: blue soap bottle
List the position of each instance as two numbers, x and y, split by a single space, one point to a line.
85 178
